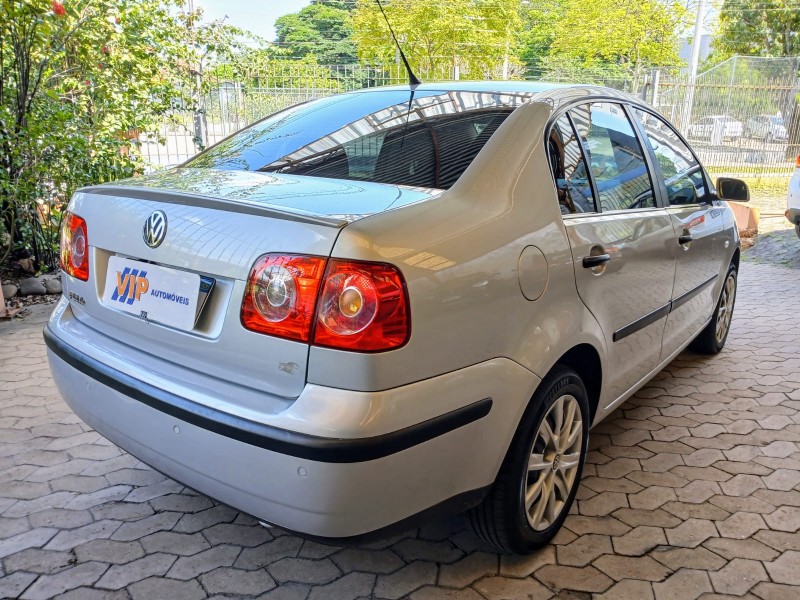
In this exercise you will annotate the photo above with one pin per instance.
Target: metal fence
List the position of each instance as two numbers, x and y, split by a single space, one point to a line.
742 117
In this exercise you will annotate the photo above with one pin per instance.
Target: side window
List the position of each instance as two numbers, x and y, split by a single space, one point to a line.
616 157
569 169
682 174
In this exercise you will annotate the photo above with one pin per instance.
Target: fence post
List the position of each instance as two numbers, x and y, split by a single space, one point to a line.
200 124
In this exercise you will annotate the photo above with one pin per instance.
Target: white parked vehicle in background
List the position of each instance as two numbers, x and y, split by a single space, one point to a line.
793 201
725 127
768 127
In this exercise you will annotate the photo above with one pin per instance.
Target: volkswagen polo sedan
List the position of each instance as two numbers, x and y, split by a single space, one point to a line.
393 303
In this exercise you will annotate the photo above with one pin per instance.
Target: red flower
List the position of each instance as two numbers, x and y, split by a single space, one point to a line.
58 8
104 50
87 82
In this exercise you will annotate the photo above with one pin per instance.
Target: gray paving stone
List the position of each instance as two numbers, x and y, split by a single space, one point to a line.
156 587
119 576
183 544
35 538
288 591
143 527
192 523
304 570
189 567
38 561
285 546
47 586
109 551
243 535
11 586
61 518
69 538
225 580
406 580
352 585
370 561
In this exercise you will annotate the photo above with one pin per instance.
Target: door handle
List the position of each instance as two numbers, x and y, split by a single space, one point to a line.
685 239
589 262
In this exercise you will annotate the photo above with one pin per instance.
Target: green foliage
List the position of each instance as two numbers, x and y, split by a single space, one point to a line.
758 28
476 36
623 36
78 84
539 30
321 30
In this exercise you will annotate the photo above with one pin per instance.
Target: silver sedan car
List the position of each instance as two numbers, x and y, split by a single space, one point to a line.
395 303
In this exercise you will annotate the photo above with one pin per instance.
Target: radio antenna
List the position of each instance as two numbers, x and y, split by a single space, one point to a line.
412 79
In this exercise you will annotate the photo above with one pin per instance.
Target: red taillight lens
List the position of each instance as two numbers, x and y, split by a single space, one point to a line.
797 162
74 247
281 294
363 306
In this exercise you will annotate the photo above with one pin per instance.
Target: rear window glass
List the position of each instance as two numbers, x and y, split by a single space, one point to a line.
424 140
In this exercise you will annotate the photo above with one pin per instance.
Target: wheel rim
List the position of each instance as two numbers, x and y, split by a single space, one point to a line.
725 311
553 462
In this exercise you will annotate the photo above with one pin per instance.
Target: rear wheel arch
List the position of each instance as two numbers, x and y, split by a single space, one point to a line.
585 361
735 260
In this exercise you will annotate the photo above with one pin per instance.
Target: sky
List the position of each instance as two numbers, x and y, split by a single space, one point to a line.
256 16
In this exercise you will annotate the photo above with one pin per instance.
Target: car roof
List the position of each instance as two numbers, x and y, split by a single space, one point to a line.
556 93
526 87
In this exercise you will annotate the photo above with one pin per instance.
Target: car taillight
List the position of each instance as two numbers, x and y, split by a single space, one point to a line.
362 306
797 162
351 305
281 294
74 247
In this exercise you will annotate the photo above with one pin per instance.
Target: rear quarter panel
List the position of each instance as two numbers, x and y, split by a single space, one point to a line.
459 255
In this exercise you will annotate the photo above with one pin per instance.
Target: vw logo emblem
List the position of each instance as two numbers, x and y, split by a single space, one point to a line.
155 229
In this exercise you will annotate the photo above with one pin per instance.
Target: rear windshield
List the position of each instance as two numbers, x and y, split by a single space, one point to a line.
424 140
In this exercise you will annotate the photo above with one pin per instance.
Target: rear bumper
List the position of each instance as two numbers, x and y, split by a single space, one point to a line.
322 486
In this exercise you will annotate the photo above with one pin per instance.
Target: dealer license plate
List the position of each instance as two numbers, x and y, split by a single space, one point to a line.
154 293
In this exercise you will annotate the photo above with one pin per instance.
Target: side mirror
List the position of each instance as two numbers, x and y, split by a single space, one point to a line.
729 188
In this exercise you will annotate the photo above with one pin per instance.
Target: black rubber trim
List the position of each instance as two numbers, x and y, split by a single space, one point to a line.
684 298
447 508
292 443
638 324
662 312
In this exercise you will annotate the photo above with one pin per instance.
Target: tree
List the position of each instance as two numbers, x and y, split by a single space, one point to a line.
475 37
758 28
78 83
540 28
322 30
623 36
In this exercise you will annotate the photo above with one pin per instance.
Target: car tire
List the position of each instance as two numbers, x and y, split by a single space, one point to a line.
504 519
797 229
712 339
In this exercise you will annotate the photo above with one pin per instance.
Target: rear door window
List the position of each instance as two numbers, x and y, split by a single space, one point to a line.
615 155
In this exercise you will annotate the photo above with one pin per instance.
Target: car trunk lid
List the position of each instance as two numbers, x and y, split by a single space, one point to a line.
217 223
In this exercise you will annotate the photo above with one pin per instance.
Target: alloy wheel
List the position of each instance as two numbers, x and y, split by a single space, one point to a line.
553 462
725 310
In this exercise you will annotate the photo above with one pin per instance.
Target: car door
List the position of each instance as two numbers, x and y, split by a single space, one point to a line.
622 246
698 230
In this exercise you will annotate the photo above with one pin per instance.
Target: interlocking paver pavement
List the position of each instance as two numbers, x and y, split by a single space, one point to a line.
691 489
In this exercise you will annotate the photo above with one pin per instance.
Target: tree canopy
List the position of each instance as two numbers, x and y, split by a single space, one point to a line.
474 36
624 36
759 28
323 30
